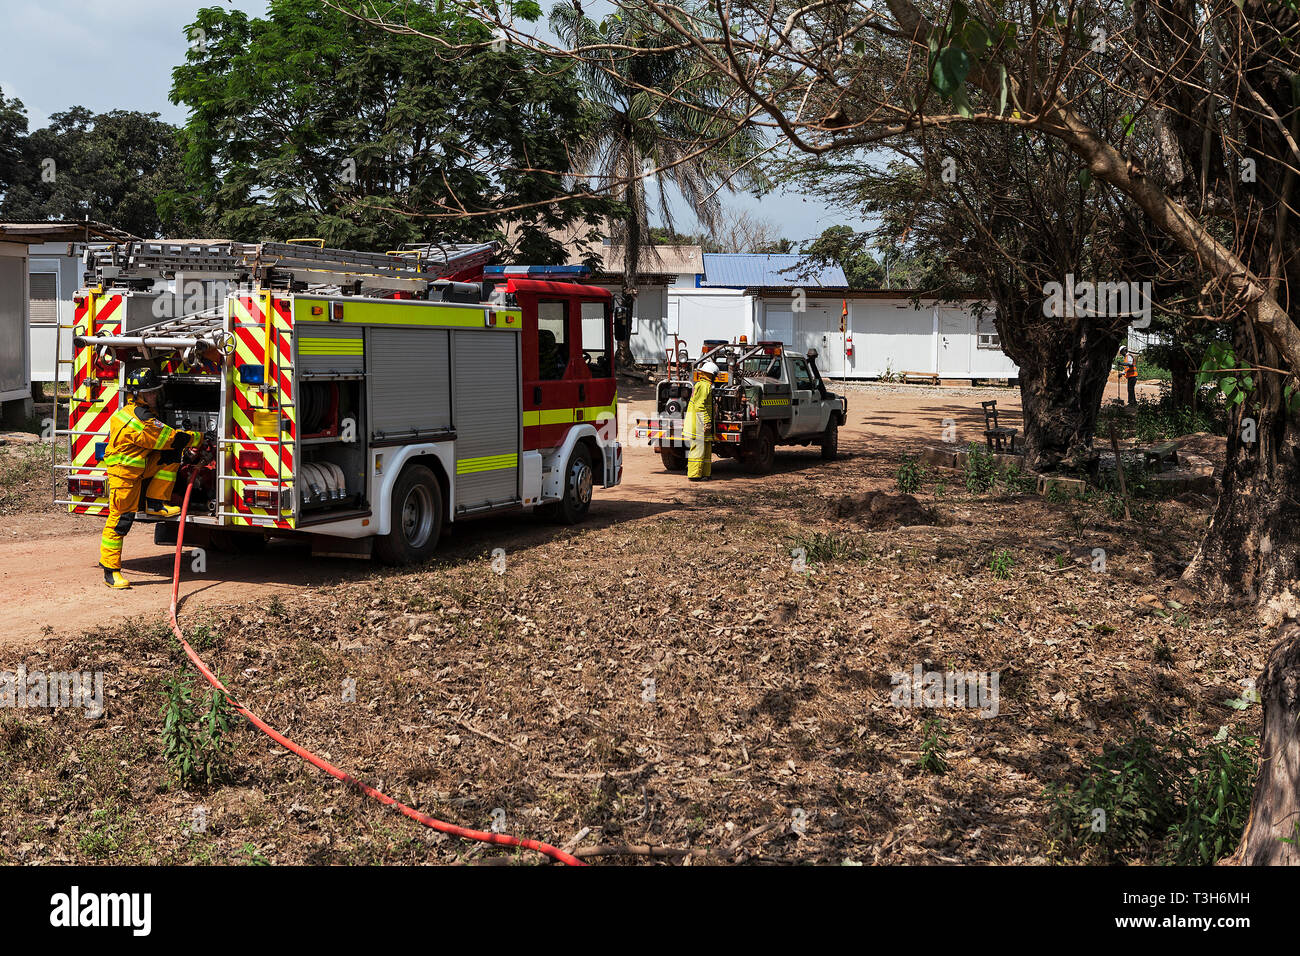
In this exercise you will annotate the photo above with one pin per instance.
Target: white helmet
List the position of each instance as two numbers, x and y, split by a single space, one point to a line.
708 368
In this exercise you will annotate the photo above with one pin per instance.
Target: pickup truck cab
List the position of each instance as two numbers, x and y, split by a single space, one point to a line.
764 396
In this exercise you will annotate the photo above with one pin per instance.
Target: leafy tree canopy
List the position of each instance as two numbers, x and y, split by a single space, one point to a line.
313 123
108 167
13 128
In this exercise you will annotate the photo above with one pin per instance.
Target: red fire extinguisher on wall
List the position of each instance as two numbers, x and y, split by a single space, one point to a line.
848 336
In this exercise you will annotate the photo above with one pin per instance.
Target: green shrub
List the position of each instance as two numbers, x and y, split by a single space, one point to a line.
1017 481
981 471
825 546
1162 419
1001 564
1175 802
1216 801
197 748
909 476
934 747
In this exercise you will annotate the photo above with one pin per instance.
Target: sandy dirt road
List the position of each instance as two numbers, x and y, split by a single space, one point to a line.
50 585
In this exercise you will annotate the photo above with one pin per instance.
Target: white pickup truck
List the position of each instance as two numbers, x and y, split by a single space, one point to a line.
764 396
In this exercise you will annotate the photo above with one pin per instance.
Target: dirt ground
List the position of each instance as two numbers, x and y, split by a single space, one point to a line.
707 668
49 559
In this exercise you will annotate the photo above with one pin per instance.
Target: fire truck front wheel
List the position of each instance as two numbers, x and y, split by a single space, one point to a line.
415 514
578 482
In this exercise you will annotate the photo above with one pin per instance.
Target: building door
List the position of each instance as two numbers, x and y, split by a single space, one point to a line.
829 341
955 334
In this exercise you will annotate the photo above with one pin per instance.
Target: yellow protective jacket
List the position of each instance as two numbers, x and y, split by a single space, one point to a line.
133 434
699 413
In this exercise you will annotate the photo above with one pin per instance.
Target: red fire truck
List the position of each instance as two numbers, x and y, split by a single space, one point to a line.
360 400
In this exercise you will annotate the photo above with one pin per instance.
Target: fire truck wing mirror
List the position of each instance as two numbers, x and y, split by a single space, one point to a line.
622 322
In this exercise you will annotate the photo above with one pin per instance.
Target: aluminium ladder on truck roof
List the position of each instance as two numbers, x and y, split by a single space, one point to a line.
279 263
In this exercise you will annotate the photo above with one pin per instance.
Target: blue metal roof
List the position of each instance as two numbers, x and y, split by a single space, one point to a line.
788 271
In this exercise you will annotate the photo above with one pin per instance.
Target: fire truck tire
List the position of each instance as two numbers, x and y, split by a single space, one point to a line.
164 532
674 459
579 479
416 518
831 440
760 459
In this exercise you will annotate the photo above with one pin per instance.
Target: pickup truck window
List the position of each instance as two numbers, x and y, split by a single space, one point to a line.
802 377
764 366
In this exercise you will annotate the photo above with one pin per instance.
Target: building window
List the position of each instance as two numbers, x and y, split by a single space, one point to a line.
986 335
44 298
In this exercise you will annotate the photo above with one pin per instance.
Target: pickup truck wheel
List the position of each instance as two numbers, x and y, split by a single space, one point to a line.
415 518
674 459
578 481
831 440
762 456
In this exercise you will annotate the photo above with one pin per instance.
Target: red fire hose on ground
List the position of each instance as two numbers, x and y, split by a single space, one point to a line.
500 839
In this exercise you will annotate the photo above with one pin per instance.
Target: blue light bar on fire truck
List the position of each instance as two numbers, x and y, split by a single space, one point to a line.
536 272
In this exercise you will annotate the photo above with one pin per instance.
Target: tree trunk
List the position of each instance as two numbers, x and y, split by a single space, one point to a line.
1064 366
1182 384
1275 806
1251 551
631 263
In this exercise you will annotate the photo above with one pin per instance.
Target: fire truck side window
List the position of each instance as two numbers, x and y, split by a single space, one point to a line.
595 341
552 339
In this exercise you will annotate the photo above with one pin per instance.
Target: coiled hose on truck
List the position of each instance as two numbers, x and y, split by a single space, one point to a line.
500 839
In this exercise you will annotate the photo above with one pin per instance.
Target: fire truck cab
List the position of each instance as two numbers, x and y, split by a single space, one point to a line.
360 400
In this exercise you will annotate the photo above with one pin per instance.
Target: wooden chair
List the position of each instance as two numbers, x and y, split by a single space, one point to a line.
994 434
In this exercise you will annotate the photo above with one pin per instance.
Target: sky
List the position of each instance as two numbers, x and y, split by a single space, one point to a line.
118 54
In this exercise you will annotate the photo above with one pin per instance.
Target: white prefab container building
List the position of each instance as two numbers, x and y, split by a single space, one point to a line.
54 276
891 334
52 264
15 377
696 315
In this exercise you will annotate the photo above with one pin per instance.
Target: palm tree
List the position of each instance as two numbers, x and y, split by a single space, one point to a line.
653 111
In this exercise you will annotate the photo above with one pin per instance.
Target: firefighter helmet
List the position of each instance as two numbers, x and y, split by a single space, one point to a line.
142 380
708 368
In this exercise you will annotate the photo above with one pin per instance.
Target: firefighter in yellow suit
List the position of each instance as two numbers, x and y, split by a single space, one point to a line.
141 455
698 427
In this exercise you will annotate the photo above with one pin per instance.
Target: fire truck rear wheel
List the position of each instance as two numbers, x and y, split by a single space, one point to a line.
578 481
674 459
415 518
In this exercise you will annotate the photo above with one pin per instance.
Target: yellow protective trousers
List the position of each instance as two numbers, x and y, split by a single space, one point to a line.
699 459
156 482
697 430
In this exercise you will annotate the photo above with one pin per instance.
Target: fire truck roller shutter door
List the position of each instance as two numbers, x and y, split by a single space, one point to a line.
410 382
487 417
